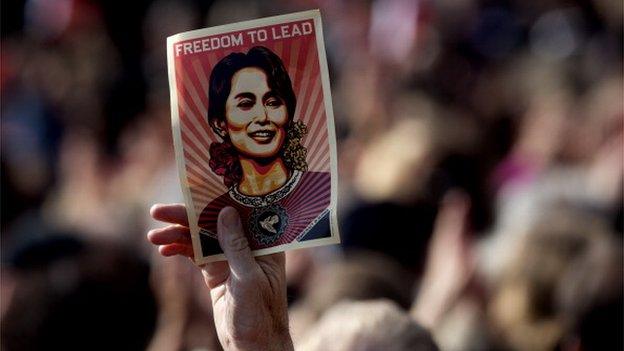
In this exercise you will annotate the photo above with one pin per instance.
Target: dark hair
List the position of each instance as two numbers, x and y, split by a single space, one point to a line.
67 291
223 155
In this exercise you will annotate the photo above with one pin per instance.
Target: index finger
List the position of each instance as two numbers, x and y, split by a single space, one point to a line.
170 213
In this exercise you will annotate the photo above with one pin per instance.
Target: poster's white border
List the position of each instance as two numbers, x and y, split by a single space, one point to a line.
177 133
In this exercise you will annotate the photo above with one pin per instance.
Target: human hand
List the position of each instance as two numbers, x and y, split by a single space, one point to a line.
248 294
449 265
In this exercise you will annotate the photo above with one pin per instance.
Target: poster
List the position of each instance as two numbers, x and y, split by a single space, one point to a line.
253 129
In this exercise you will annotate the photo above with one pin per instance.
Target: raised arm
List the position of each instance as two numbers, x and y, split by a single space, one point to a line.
248 294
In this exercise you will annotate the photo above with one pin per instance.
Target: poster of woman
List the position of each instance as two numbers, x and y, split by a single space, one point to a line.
253 129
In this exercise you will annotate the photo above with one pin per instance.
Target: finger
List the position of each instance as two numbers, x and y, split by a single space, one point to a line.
215 273
276 259
170 213
176 249
169 235
234 243
452 218
273 265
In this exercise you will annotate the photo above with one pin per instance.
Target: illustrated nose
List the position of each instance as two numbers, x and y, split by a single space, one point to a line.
262 117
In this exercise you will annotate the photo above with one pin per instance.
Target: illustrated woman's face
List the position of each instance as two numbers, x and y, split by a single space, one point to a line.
255 115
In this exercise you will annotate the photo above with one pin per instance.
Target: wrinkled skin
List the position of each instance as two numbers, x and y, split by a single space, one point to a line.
248 294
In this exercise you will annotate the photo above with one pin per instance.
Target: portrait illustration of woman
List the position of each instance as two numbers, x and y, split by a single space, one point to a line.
260 156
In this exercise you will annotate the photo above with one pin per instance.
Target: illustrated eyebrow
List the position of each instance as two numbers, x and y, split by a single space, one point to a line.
270 94
245 96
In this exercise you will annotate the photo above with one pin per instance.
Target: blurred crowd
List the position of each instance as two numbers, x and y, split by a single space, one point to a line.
480 159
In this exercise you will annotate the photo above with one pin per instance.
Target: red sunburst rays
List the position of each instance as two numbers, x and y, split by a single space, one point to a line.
299 56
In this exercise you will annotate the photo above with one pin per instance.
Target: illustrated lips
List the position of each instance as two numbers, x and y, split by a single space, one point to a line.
262 135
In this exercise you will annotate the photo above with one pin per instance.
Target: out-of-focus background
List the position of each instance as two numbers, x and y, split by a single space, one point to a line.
480 159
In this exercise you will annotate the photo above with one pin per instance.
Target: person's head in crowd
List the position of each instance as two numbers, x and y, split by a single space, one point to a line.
360 275
402 157
72 295
568 269
427 151
391 179
367 326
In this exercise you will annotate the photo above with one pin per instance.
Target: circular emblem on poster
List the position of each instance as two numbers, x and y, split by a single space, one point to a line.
268 223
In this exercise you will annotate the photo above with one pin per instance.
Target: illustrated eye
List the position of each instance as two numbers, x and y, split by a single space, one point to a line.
245 104
274 102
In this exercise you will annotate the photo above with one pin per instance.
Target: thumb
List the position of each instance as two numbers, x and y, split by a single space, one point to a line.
234 243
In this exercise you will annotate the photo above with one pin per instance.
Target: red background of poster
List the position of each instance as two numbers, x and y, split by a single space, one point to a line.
300 57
